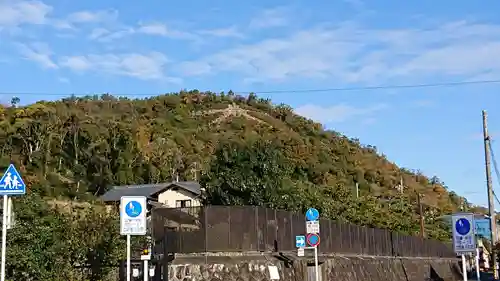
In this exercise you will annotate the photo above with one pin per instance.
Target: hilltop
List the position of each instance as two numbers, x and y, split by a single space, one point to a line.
245 150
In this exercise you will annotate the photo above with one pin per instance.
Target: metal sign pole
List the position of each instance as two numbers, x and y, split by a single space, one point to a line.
316 266
128 257
464 267
4 236
478 274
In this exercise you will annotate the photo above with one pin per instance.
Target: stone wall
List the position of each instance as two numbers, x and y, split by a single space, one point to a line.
332 268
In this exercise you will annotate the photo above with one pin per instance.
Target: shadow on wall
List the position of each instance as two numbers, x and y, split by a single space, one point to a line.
456 271
434 276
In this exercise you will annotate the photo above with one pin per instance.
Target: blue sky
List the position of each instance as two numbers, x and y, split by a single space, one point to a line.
51 49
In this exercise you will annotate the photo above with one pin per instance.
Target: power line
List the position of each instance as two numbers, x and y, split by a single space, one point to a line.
388 87
344 89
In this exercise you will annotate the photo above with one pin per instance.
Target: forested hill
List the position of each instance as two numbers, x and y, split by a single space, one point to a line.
244 150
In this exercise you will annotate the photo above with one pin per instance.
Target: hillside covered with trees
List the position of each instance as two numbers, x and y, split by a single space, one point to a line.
243 150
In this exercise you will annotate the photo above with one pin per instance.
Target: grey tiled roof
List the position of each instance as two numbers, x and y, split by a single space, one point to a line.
147 190
191 186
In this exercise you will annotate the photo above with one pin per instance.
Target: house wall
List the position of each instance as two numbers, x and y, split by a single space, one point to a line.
169 197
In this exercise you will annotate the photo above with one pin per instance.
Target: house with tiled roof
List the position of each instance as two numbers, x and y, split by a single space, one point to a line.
178 194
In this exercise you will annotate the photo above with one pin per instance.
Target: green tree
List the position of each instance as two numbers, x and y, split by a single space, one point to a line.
247 174
49 242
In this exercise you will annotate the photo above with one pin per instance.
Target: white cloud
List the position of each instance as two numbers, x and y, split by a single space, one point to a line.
350 53
223 32
142 66
76 63
154 29
161 29
98 33
39 53
93 16
61 24
269 18
17 12
337 113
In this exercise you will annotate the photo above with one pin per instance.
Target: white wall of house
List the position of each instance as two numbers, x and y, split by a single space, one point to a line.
171 198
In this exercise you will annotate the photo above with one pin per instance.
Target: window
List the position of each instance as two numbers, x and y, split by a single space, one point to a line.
182 203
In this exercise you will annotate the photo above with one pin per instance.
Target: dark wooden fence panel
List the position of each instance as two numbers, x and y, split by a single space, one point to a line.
247 228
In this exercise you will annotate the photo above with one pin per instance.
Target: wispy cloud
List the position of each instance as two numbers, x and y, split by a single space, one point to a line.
152 29
276 17
98 32
18 13
345 52
39 53
105 35
15 13
150 66
337 113
93 16
351 53
223 32
161 29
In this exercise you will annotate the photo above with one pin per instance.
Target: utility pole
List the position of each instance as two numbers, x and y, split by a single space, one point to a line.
491 203
421 215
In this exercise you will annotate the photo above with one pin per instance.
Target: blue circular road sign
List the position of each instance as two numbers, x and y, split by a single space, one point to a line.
133 209
462 226
313 239
312 214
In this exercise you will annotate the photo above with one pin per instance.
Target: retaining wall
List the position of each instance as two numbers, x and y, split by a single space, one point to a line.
332 268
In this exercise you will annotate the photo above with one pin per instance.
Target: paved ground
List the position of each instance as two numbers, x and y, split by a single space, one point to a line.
485 276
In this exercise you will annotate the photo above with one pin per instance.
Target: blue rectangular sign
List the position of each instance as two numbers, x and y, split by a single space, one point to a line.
300 241
483 228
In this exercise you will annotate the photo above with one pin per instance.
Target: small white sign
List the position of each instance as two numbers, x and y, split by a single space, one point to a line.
273 272
312 226
133 215
300 252
135 272
463 233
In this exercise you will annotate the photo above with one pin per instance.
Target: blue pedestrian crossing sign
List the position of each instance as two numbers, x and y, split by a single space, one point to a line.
12 183
300 241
